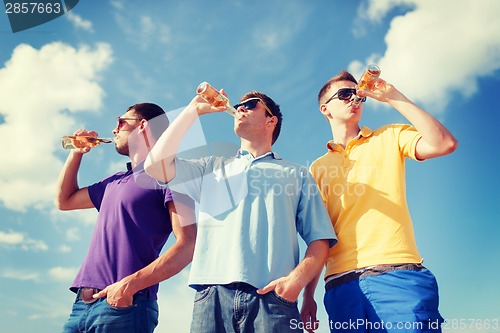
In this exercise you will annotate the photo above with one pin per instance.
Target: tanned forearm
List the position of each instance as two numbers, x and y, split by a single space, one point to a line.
290 286
171 262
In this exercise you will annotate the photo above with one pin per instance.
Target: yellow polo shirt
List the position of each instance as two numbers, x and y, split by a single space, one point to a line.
364 189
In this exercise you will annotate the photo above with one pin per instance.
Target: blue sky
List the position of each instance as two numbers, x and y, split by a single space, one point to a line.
83 69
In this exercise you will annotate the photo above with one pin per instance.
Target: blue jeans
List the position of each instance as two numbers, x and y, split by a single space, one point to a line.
100 317
396 301
238 308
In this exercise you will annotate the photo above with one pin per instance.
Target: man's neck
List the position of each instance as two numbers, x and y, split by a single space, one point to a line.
138 155
136 159
256 148
343 133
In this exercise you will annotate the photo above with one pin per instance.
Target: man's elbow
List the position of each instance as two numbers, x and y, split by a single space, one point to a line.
447 146
61 204
321 249
444 147
451 145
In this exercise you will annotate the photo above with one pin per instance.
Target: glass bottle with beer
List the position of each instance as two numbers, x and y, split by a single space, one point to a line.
369 77
82 141
215 98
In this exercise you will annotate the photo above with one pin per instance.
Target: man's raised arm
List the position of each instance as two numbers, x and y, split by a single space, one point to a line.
160 163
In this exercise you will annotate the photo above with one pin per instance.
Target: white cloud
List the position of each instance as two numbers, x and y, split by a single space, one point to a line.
79 22
13 239
64 249
72 234
439 48
148 31
376 10
40 91
20 275
34 245
118 5
64 274
11 313
85 216
273 35
147 25
44 307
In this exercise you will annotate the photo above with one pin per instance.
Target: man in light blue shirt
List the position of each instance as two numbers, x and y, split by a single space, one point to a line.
251 208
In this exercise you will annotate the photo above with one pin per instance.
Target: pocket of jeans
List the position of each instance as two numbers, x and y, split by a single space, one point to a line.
281 299
120 308
202 295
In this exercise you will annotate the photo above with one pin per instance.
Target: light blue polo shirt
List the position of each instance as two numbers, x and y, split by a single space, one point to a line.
250 213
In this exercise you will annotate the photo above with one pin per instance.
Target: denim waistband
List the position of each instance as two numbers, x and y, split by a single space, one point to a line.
85 295
337 279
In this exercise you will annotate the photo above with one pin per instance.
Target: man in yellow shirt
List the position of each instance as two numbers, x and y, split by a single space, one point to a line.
374 278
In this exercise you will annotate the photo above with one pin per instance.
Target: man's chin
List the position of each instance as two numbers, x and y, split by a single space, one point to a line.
122 150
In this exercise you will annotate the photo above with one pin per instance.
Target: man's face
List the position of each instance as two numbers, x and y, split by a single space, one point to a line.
253 119
127 123
342 107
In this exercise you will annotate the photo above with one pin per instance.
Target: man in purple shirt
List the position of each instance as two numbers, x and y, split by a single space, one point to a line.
118 281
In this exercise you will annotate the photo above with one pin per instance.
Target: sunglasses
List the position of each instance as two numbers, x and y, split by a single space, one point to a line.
344 94
251 103
122 121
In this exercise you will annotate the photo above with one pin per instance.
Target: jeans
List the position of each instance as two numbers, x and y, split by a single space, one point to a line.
100 317
238 308
396 301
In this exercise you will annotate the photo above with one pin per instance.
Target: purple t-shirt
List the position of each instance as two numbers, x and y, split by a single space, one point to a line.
132 226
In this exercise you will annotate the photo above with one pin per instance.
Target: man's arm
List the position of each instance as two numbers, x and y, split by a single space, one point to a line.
171 262
309 309
436 139
310 267
160 161
69 195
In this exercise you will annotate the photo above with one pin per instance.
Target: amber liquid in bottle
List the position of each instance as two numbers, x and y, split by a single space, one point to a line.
367 81
81 141
214 97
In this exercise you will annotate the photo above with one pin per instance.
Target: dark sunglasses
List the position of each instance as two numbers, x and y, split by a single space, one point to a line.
122 121
250 104
345 94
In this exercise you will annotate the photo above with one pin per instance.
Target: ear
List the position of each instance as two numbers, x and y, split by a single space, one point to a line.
272 121
142 126
324 110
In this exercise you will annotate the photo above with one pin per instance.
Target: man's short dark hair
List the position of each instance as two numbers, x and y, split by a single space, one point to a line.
342 76
155 116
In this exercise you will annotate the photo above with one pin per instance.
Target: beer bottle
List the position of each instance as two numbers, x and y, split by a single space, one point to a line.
214 97
82 141
369 77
